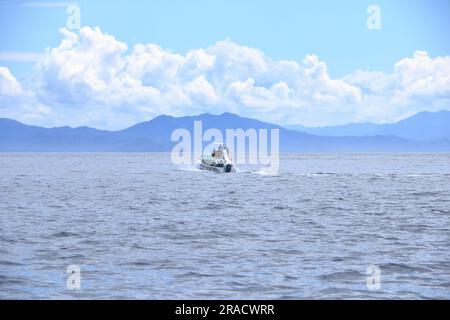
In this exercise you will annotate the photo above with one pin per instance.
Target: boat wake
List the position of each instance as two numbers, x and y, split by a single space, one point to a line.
191 168
266 172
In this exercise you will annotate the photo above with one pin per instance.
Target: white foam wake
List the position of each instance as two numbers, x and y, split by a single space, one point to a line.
188 168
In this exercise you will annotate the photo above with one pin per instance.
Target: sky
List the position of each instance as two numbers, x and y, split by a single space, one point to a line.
290 62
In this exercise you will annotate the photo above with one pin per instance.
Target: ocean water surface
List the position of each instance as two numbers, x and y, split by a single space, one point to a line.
141 227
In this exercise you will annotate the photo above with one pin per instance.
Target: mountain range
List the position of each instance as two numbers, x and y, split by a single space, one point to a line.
423 132
423 126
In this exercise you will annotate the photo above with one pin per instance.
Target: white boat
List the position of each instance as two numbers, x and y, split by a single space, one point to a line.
218 160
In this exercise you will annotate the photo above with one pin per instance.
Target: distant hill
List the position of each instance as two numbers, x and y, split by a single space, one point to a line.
154 135
423 126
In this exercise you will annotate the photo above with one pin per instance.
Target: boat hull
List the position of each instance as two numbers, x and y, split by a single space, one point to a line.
225 169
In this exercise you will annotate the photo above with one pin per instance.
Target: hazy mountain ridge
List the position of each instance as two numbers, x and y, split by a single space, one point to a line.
423 126
154 135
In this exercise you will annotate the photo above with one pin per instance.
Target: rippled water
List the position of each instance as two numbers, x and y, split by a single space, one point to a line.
140 227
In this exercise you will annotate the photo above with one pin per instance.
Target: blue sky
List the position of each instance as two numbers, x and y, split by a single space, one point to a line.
333 31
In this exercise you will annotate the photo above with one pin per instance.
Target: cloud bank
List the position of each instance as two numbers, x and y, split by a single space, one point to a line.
93 79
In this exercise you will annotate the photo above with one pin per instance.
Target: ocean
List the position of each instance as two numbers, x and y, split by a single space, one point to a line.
139 227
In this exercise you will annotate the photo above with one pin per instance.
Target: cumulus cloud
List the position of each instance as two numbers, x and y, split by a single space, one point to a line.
16 102
9 86
95 79
421 76
417 83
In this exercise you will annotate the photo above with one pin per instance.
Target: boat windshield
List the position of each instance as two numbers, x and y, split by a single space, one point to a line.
219 150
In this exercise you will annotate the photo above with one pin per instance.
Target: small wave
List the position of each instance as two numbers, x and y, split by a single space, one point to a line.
138 263
316 174
444 285
401 268
64 234
192 274
8 239
420 175
281 208
287 252
7 263
267 172
6 280
73 256
350 275
440 211
425 193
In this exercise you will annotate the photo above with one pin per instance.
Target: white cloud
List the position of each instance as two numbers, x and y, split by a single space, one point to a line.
417 83
92 78
16 102
421 76
9 86
201 91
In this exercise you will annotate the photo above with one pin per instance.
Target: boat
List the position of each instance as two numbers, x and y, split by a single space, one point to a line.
218 160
